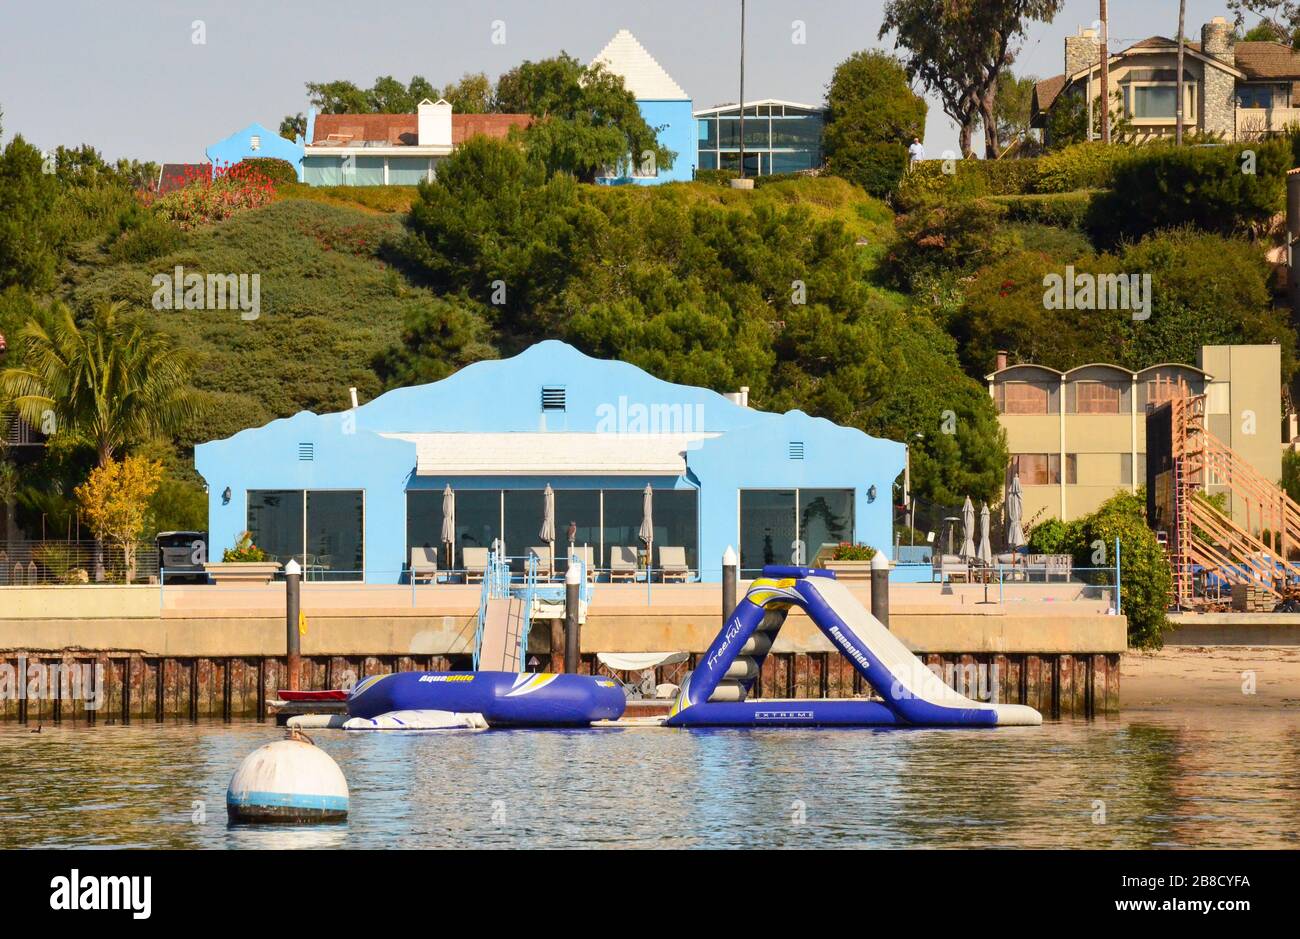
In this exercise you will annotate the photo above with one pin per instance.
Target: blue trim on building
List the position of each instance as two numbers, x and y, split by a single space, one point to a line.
752 450
239 146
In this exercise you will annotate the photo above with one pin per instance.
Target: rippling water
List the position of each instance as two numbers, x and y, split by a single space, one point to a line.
1195 779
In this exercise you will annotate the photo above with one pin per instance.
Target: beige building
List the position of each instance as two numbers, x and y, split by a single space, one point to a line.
1234 90
1077 437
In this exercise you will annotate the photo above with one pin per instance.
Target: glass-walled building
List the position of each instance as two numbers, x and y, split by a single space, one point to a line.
780 137
351 495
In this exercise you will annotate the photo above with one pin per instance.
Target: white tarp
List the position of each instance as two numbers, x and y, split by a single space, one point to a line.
639 661
418 720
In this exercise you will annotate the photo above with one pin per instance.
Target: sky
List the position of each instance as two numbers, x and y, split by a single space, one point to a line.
129 78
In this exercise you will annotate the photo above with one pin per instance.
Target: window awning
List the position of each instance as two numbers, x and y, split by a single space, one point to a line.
550 454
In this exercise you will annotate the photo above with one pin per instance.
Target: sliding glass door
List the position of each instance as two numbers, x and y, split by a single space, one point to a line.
322 529
790 526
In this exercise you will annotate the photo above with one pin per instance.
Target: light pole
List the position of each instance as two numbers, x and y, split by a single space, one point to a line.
742 89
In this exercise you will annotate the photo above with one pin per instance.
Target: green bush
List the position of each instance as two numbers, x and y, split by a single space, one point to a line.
1081 166
715 177
1207 187
1060 209
276 170
1147 583
150 238
947 237
876 167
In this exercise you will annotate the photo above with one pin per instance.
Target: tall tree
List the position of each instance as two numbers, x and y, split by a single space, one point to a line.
1013 108
111 382
869 100
29 229
958 48
472 94
1279 20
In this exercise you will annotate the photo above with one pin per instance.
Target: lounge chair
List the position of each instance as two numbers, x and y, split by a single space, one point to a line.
585 555
672 564
475 561
543 555
424 564
622 563
947 566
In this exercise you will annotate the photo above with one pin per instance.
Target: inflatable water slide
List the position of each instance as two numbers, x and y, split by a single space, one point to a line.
716 692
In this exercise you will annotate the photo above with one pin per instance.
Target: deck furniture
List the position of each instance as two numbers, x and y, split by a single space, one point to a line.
543 555
672 564
476 562
1049 565
622 563
236 572
585 554
948 566
424 564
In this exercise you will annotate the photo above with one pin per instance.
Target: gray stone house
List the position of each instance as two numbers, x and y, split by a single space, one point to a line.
1232 90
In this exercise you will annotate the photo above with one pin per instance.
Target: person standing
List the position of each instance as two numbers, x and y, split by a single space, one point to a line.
916 151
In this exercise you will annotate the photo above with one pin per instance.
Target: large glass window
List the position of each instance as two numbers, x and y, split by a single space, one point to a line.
708 133
1026 397
1254 96
825 518
478 520
323 530
1041 469
407 171
1099 397
676 523
1154 101
767 528
622 521
581 507
275 522
335 535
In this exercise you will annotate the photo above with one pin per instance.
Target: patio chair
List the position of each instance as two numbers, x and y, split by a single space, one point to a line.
672 564
424 564
585 554
622 563
543 555
948 566
475 561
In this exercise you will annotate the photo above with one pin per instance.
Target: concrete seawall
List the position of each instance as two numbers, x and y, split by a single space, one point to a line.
219 651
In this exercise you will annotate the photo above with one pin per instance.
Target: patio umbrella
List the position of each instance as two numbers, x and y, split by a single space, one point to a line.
449 524
986 550
647 532
547 534
1015 509
968 529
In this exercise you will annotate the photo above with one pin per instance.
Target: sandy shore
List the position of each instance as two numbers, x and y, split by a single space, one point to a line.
1218 676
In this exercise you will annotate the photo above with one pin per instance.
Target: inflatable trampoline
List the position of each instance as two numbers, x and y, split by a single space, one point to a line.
505 699
715 693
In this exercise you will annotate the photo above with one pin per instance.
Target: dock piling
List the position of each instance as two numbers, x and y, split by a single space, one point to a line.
292 609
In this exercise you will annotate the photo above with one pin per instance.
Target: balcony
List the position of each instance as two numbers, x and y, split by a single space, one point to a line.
1254 123
16 432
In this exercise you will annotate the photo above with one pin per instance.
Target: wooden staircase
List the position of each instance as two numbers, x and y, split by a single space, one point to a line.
1208 541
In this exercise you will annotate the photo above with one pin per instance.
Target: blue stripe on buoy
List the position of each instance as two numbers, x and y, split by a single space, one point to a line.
293 800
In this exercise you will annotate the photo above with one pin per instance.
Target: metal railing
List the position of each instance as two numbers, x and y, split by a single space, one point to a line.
45 563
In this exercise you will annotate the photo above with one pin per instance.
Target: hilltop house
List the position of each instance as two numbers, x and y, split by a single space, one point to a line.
664 105
1233 90
367 149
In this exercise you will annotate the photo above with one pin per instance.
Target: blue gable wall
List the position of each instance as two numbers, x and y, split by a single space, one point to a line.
752 451
675 122
237 147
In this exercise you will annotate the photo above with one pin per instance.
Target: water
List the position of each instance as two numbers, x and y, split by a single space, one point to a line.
1167 779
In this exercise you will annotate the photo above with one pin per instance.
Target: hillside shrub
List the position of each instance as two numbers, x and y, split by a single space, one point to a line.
206 199
947 237
1060 209
1207 187
876 167
1081 166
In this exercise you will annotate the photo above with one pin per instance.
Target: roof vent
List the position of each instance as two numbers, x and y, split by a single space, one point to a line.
306 451
553 398
796 449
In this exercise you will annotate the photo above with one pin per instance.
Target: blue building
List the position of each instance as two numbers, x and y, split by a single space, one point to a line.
255 141
664 105
351 493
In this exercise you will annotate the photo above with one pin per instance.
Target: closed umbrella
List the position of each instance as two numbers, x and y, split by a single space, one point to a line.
547 534
647 532
968 529
986 550
449 524
1015 510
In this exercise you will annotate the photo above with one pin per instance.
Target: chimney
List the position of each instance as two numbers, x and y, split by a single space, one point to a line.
1216 40
434 123
1002 360
1082 50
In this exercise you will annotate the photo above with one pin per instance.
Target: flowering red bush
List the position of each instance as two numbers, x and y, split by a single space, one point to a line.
214 195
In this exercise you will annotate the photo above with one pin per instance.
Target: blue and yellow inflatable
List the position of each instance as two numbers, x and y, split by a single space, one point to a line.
505 699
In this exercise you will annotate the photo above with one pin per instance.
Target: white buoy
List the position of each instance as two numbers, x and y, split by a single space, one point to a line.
289 780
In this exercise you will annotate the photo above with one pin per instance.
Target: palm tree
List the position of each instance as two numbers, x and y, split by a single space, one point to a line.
8 493
112 380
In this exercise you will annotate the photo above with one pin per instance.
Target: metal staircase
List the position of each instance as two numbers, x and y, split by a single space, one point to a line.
1209 544
504 617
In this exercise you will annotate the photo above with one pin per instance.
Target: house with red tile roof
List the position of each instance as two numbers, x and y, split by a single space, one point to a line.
392 149
1232 89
